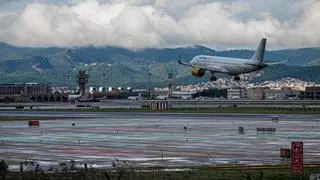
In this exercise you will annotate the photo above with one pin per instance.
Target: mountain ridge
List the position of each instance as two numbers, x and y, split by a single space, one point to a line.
128 67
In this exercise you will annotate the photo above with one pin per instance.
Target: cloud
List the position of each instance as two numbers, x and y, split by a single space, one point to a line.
2 2
160 23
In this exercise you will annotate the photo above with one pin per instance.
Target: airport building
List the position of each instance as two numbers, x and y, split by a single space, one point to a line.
261 93
311 93
28 88
256 93
280 94
237 93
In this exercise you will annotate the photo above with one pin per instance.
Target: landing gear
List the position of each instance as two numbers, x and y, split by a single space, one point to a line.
237 78
213 78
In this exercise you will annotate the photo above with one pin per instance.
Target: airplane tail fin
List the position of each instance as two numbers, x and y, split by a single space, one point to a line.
258 55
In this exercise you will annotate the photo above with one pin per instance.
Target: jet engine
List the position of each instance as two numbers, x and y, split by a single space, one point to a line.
199 72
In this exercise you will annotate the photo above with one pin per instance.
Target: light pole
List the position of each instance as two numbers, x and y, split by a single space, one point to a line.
104 75
314 87
314 90
103 79
68 80
149 82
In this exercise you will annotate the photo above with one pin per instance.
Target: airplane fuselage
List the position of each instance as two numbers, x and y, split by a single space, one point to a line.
232 66
133 98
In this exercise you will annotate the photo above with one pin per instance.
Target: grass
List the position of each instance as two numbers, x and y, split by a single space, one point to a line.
226 110
24 118
253 110
202 173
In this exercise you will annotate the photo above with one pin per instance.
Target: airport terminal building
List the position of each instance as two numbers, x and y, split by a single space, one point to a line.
28 88
261 93
311 93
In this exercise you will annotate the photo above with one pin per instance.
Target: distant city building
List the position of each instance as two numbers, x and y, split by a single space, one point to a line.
225 83
256 93
57 89
237 93
311 92
260 93
92 89
25 89
102 89
283 93
212 93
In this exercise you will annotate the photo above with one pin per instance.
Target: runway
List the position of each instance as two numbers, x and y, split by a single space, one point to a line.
152 140
175 104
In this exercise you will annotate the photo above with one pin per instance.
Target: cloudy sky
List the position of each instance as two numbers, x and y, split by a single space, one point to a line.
219 24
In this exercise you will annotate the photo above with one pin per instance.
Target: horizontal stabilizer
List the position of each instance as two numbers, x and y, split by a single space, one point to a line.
276 63
280 62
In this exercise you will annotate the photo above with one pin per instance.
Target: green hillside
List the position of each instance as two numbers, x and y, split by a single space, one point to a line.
315 62
59 66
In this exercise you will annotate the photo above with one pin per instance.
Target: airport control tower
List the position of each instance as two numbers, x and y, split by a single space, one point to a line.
82 81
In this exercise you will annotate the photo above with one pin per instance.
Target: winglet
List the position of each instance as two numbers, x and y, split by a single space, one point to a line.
183 63
179 60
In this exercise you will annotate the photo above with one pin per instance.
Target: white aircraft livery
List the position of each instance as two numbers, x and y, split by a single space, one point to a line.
231 66
135 97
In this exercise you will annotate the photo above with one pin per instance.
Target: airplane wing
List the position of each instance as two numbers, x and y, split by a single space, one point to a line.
183 63
206 67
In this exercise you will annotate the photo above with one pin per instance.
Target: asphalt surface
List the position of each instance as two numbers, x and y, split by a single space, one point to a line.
147 140
175 104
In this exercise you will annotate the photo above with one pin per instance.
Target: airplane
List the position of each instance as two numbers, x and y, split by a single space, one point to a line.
135 98
271 97
74 96
162 97
186 97
231 66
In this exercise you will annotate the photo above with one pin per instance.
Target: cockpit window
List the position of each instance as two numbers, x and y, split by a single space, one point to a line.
194 60
197 58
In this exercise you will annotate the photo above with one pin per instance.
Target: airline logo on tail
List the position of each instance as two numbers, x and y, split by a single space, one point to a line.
257 57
